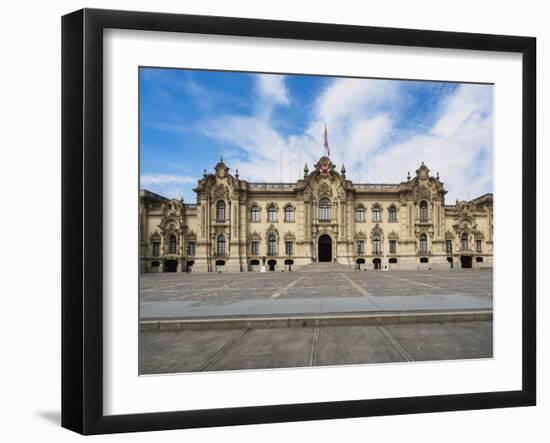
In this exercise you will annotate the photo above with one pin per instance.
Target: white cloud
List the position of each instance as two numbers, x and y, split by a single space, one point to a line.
458 146
272 88
347 99
169 185
361 116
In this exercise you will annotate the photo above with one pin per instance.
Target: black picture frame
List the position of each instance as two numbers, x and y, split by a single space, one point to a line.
82 216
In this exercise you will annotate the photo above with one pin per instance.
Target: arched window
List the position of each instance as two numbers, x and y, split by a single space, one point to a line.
423 249
464 242
325 209
272 245
272 214
173 244
392 214
289 214
376 214
255 214
376 246
360 214
220 246
423 210
220 211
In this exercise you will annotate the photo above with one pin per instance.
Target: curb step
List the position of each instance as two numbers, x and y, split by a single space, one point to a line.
307 321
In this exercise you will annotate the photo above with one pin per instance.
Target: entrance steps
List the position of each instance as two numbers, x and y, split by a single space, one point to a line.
324 267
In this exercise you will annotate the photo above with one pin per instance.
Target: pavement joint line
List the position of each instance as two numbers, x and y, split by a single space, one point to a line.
313 354
396 344
453 330
418 282
222 351
286 288
361 290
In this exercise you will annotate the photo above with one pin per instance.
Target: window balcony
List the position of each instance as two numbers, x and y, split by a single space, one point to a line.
221 254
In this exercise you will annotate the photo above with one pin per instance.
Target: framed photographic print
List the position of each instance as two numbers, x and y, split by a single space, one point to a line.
269 221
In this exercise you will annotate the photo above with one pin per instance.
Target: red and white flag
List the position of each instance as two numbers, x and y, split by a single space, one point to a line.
325 144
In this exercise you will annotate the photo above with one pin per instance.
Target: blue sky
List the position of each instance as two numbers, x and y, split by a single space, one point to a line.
268 125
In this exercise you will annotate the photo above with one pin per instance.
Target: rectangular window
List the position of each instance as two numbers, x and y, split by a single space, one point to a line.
393 246
449 246
478 245
288 248
393 215
156 249
255 248
360 247
324 213
191 248
289 214
173 245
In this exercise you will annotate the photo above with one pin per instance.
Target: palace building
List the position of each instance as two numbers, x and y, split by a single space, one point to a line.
237 225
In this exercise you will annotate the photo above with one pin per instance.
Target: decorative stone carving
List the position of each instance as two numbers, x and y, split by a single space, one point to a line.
449 235
377 229
272 230
393 235
423 193
290 236
219 192
324 189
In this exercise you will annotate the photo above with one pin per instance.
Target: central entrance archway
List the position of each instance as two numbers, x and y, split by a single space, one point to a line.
170 266
325 248
466 261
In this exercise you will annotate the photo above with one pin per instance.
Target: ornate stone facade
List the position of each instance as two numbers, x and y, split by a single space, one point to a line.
242 226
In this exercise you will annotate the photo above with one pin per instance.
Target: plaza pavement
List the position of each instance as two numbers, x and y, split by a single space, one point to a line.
164 352
334 290
210 322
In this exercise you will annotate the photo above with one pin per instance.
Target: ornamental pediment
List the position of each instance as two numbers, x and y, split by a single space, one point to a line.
272 230
255 236
324 166
377 229
290 236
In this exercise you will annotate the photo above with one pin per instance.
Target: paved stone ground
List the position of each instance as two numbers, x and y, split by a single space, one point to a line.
316 281
323 285
216 350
